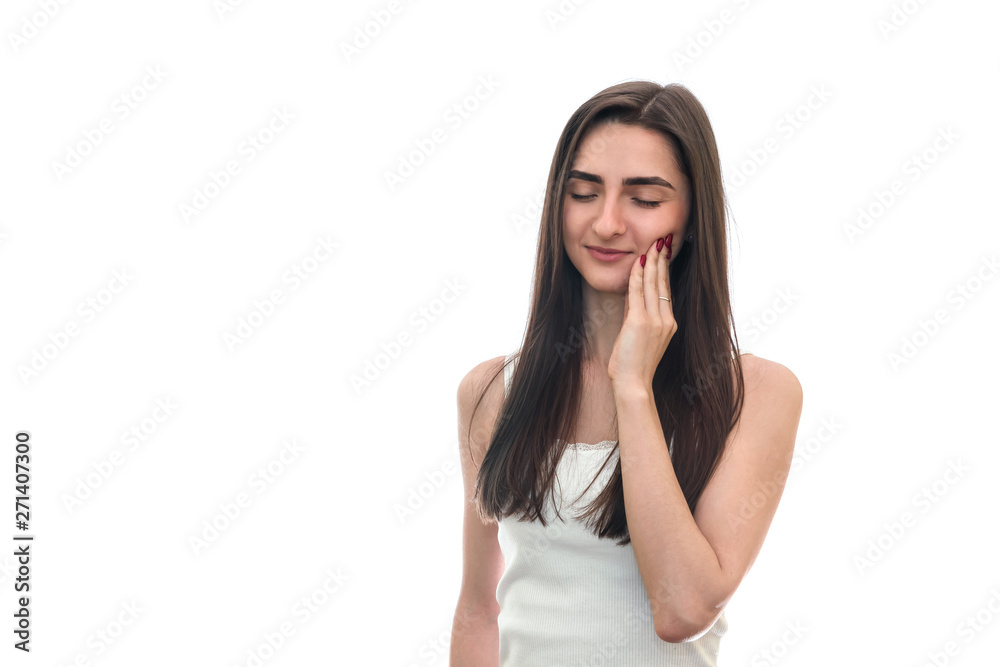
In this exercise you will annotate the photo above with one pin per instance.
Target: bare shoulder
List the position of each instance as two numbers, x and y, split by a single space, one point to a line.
487 377
772 396
771 380
481 374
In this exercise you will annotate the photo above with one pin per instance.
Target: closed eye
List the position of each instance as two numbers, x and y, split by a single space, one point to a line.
641 202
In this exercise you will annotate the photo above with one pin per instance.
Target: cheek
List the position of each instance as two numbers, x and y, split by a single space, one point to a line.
677 220
571 222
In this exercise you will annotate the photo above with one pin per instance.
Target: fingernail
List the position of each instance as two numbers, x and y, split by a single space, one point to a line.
642 261
670 238
668 252
659 244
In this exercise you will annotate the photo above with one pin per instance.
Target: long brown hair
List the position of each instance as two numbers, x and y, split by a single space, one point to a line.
697 403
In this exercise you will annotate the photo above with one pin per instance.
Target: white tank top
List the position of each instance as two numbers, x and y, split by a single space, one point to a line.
571 599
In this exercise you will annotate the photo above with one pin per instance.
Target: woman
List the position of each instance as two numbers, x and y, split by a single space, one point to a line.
588 539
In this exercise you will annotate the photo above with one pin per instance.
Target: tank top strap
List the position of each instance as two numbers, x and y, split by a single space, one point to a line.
508 371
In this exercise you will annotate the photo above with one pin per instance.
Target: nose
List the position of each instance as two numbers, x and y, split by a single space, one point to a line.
610 221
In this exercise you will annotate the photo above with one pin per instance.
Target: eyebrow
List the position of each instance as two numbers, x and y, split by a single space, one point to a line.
635 180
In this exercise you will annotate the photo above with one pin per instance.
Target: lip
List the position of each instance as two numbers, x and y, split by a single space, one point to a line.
606 254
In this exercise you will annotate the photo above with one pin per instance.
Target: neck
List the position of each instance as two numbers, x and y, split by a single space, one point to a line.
603 315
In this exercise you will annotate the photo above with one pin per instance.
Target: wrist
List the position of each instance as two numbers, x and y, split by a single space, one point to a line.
631 391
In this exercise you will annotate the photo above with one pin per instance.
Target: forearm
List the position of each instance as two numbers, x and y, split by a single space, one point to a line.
475 639
679 568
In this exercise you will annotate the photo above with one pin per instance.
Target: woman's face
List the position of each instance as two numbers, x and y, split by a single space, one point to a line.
624 190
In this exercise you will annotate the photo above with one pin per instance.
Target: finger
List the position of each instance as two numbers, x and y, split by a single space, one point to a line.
650 278
663 284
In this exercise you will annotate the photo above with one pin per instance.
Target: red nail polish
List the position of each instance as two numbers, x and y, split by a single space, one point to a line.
670 238
668 252
659 245
642 261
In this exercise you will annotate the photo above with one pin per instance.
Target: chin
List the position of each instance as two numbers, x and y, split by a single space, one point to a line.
610 287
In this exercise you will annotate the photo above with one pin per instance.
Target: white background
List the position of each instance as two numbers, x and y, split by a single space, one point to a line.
464 217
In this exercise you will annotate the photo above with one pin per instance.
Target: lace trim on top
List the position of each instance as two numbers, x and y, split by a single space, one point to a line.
603 444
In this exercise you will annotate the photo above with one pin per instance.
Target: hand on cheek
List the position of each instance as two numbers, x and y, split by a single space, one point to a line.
649 321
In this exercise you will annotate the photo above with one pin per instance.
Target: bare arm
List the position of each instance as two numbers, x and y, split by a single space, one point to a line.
475 637
692 564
